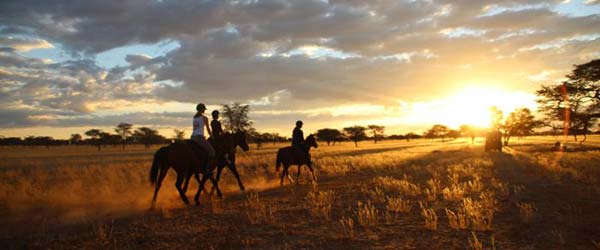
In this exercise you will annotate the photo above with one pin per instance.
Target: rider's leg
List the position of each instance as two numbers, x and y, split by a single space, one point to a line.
210 150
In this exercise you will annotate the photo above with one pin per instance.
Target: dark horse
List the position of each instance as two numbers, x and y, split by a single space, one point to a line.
225 146
295 156
181 157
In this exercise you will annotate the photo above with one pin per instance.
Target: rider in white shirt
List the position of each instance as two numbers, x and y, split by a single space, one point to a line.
200 122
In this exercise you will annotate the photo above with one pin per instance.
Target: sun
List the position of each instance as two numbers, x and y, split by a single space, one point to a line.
471 105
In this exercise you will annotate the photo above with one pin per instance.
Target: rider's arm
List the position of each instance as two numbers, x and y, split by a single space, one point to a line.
206 125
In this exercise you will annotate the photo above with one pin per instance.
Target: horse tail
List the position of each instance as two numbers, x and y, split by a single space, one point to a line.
278 161
159 158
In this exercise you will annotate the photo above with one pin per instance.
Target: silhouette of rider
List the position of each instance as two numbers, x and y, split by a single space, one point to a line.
200 121
217 132
215 124
298 139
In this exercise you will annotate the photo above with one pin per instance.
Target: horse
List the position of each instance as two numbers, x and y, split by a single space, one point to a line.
182 158
293 155
225 146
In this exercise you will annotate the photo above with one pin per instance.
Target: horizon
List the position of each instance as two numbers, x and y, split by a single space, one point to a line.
405 65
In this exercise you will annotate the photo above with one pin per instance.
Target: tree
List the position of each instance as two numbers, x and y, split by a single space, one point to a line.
95 137
437 131
147 136
124 131
576 101
75 139
377 131
453 133
355 133
520 123
411 135
328 135
236 117
179 134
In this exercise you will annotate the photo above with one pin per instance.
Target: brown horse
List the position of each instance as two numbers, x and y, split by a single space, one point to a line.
181 157
294 155
225 146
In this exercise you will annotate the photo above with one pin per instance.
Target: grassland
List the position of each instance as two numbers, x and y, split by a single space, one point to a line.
421 194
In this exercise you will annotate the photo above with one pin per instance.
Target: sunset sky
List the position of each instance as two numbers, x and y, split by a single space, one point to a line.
67 66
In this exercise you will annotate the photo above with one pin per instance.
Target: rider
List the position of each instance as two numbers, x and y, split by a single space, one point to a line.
298 139
201 121
217 131
215 124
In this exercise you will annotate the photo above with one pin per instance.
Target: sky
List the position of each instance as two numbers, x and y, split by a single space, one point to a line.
68 66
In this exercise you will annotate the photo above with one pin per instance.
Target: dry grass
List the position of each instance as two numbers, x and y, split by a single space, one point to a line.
347 227
474 243
526 211
319 203
366 215
458 219
432 189
402 186
81 199
376 194
257 211
454 193
398 205
430 217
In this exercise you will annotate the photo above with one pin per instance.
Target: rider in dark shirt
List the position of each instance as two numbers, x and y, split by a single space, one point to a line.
297 134
298 139
215 124
217 132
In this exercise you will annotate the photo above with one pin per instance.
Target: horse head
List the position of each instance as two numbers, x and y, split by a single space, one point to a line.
311 141
240 139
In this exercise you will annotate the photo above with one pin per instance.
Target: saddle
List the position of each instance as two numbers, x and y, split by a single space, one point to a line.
201 151
198 151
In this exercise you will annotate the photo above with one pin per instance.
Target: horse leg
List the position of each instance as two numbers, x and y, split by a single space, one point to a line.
200 187
312 171
187 181
298 176
233 169
161 176
219 171
283 173
287 173
180 189
216 185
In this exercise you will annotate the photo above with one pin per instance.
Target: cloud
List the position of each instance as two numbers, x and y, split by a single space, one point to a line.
24 45
288 59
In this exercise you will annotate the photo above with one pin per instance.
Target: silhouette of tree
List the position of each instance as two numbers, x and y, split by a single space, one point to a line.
377 131
329 135
95 137
411 135
453 133
10 141
437 131
147 136
236 117
355 133
179 135
124 131
575 102
520 123
75 139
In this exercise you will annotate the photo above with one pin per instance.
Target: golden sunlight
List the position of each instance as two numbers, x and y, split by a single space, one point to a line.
470 105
